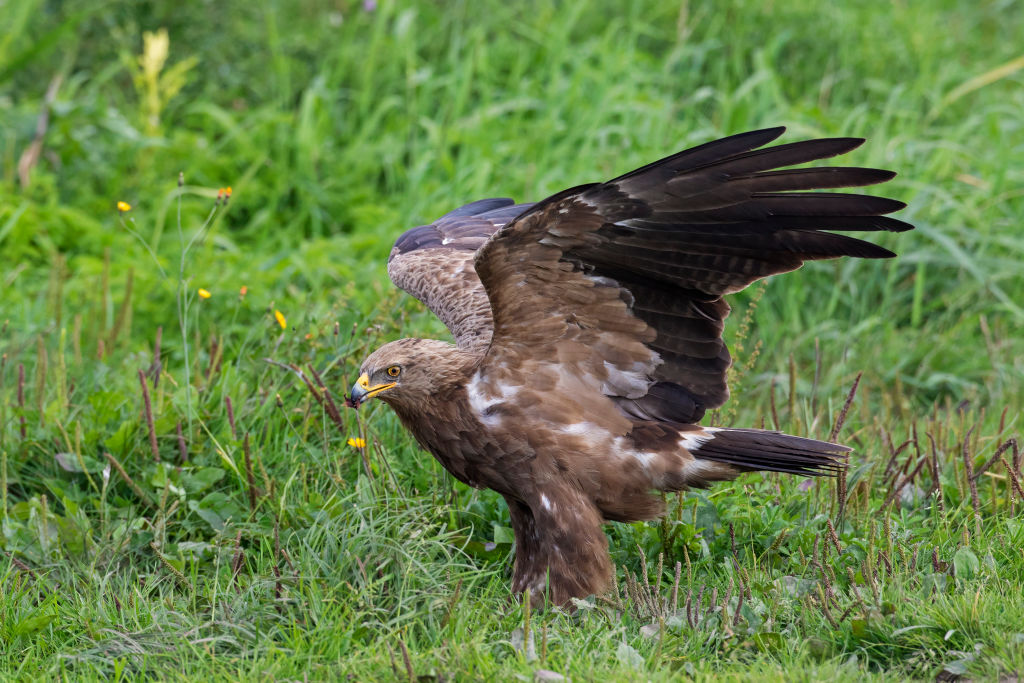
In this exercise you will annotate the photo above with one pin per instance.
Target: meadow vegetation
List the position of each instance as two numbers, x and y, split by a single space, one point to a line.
183 496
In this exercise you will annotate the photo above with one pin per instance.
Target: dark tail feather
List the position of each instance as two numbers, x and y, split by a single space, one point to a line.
751 450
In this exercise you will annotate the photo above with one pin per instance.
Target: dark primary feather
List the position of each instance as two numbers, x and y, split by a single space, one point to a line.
680 233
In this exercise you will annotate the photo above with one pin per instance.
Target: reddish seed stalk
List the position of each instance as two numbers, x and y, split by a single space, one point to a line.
906 480
1013 473
216 350
408 661
895 455
231 417
250 479
991 461
332 408
846 408
971 482
841 478
21 398
276 565
236 558
1013 477
149 417
936 484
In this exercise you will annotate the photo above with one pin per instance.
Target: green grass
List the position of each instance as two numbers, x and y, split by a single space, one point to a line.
337 127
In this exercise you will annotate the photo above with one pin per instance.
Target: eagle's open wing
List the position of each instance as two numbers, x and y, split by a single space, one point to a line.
625 278
434 263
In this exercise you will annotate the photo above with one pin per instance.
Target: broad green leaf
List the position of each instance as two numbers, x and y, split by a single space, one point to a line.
966 563
503 535
628 656
30 625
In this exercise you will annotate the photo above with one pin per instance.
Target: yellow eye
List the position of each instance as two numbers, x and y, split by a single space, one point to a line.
394 371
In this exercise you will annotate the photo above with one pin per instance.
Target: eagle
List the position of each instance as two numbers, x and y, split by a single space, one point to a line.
588 338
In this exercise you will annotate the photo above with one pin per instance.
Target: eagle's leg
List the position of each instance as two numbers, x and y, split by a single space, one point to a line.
561 547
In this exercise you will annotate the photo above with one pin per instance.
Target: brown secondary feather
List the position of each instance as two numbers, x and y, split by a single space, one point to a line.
588 338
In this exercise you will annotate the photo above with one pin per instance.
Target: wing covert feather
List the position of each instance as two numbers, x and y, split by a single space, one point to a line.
434 263
633 270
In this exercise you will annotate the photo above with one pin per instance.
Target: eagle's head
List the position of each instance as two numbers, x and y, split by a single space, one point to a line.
406 372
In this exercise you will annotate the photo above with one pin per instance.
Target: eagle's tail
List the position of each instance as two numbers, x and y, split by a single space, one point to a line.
754 449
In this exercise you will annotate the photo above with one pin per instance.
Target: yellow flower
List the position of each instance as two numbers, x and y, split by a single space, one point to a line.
124 206
204 293
243 291
357 442
279 317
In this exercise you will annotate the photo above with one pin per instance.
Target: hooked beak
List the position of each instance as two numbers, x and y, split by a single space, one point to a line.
362 391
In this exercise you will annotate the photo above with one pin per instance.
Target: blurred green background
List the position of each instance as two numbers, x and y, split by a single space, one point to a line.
337 125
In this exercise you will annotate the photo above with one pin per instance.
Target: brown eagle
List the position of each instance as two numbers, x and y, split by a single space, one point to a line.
588 338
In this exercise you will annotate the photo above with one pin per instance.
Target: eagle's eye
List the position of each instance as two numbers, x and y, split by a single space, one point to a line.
394 371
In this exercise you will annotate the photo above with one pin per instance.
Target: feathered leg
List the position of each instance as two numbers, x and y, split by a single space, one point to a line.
561 548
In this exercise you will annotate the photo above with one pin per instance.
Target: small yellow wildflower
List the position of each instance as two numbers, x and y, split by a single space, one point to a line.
204 293
124 206
242 292
357 442
279 317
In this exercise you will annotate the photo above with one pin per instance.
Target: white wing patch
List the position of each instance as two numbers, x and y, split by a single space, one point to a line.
692 441
482 404
645 459
698 469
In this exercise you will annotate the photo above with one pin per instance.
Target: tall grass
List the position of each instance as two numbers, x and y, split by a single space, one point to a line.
182 499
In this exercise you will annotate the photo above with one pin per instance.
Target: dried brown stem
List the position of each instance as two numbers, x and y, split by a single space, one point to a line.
408 661
971 482
149 417
1003 447
116 464
834 537
237 557
249 478
328 400
936 483
846 408
21 398
1013 478
231 417
906 480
